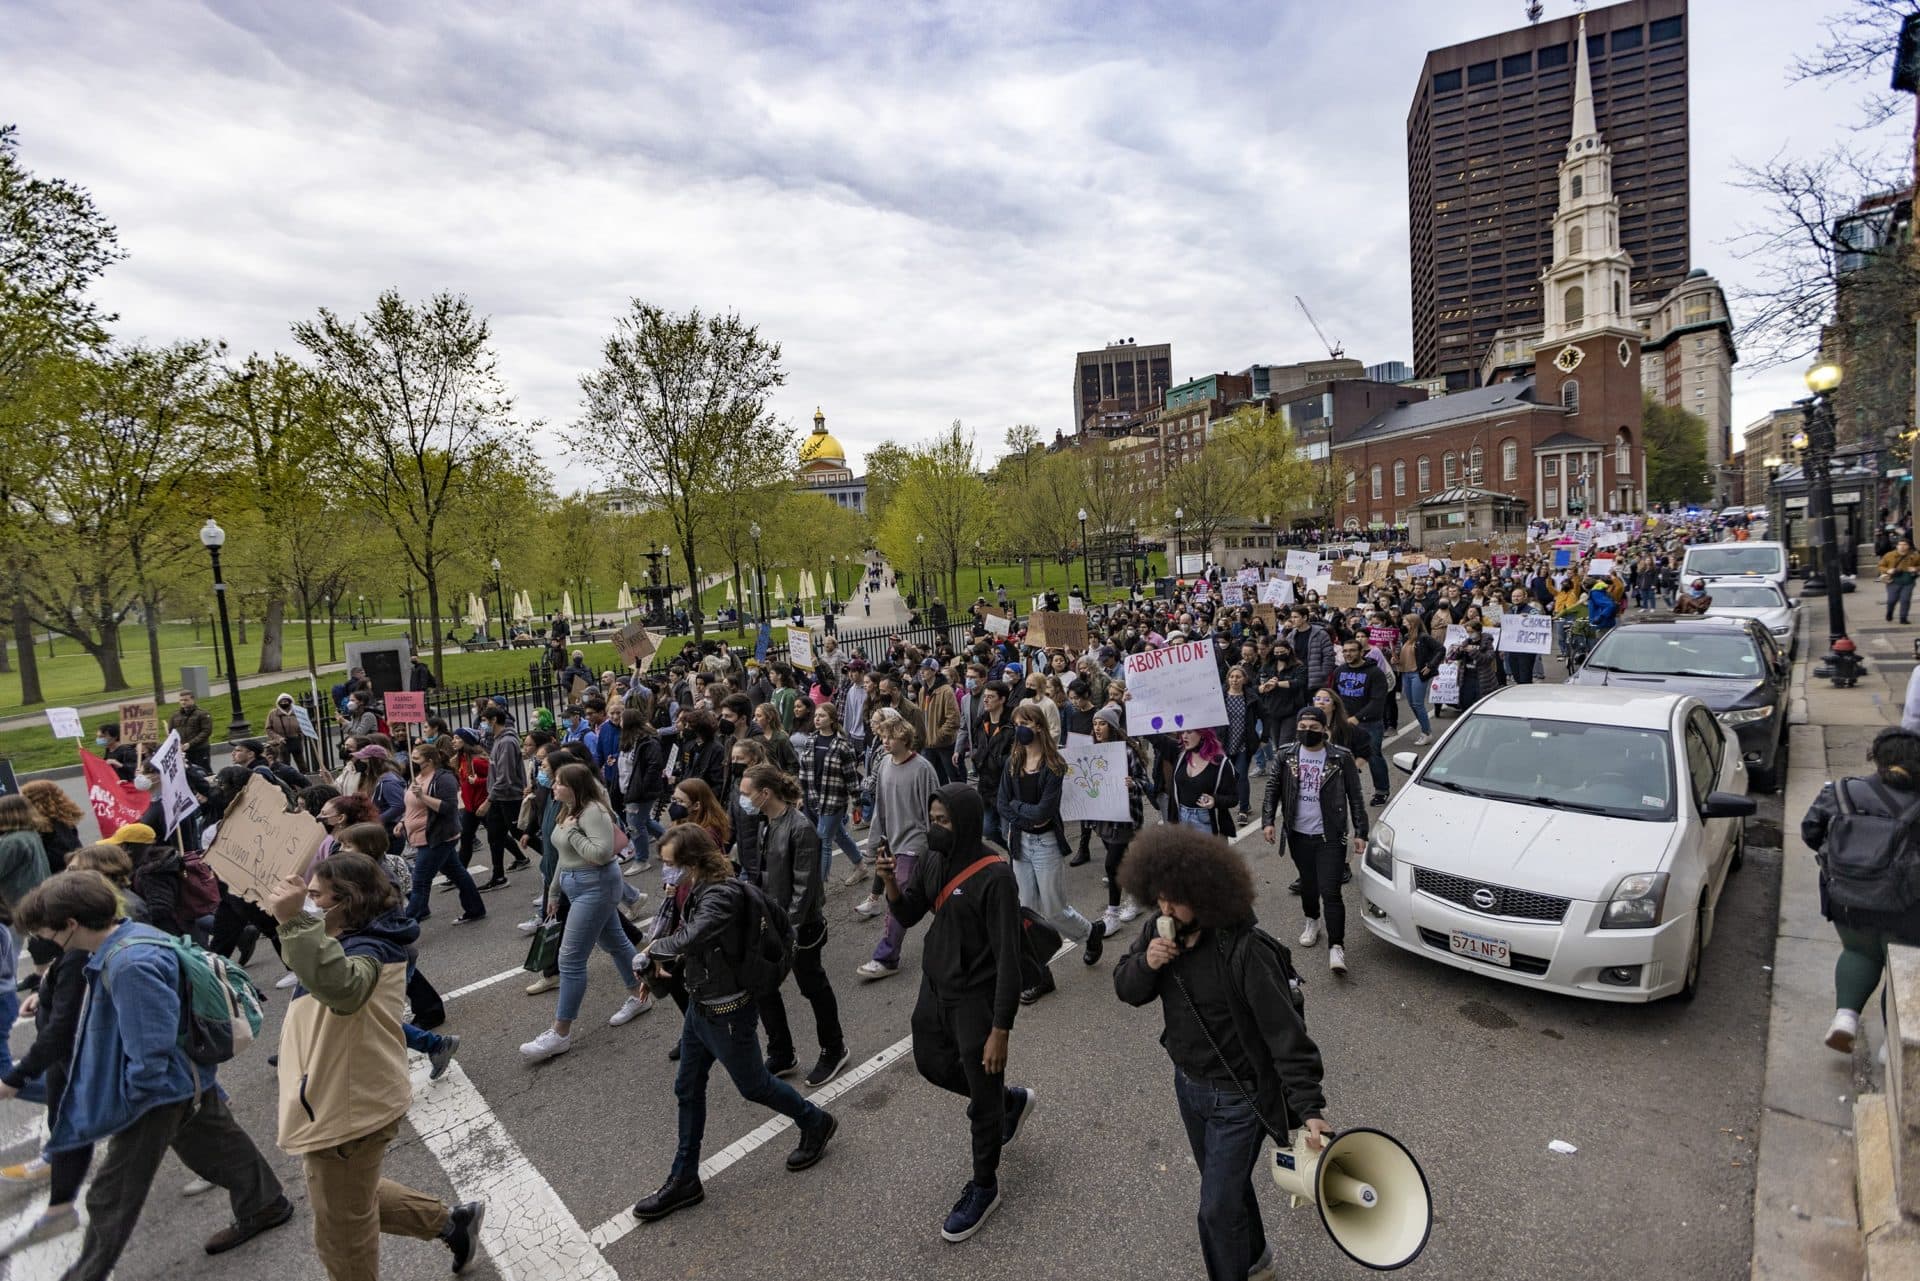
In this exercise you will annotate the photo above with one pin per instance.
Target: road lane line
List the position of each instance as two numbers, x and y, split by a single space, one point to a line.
484 984
529 1233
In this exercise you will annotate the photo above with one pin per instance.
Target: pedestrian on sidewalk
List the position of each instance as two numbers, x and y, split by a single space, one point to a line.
1866 834
1897 570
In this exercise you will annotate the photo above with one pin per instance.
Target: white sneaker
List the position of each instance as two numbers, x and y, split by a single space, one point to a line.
1129 911
195 1186
1842 1031
1421 740
545 983
545 1046
528 927
1337 959
1110 922
51 1224
632 1009
875 970
1310 935
856 874
871 907
287 980
632 868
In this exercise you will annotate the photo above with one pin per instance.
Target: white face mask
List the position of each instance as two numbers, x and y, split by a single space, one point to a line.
144 782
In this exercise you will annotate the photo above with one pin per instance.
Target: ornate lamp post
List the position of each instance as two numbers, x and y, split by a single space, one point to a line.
1086 561
1179 539
500 599
1822 379
213 538
759 574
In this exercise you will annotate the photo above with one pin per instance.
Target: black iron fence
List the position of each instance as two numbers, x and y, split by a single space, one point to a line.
455 704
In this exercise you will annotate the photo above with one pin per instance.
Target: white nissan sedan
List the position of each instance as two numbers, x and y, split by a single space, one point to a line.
1562 837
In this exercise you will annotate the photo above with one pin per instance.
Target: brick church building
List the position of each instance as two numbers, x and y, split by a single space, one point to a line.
1564 439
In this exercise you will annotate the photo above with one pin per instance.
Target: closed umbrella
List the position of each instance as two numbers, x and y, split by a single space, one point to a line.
566 605
625 603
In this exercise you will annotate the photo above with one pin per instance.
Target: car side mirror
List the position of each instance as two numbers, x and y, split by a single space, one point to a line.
1405 761
1727 805
1793 603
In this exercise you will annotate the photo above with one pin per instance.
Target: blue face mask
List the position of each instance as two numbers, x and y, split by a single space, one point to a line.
747 806
543 779
99 740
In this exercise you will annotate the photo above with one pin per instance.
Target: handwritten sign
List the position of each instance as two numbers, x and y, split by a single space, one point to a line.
1343 595
1174 689
1456 635
1526 634
1277 592
176 798
1052 629
1267 615
1095 787
304 719
1248 574
1319 583
1076 605
1233 595
260 843
635 643
1446 684
997 624
406 707
1469 551
1420 570
139 722
1302 564
65 722
800 649
1600 566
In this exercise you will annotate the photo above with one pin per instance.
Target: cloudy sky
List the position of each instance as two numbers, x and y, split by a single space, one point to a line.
930 205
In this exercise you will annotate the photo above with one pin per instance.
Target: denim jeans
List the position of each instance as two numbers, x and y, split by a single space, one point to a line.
593 895
1901 595
1376 732
419 1040
429 861
1197 817
1243 774
990 826
1415 686
1041 874
732 1041
1225 1135
832 830
637 832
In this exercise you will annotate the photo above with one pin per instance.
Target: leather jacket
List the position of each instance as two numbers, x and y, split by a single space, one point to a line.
790 867
1341 797
710 928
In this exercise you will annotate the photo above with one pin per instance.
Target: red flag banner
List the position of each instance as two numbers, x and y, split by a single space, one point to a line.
115 804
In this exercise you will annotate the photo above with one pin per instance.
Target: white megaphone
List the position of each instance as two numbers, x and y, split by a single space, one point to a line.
1372 1195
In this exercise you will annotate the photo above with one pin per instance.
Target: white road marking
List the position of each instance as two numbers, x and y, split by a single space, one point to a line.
529 1233
484 984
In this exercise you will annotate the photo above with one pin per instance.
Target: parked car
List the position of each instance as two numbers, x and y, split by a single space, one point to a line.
1730 664
1762 601
1572 840
1750 559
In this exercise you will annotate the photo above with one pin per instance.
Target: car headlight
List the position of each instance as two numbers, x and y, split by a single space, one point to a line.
1743 715
1636 902
1380 850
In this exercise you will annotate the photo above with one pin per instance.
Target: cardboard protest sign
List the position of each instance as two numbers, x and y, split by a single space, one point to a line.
1343 595
581 685
114 803
1446 684
997 624
139 722
1526 634
409 706
635 643
1302 564
1095 787
1233 595
1051 629
1277 591
65 722
260 844
1268 615
1174 689
1470 550
176 798
800 649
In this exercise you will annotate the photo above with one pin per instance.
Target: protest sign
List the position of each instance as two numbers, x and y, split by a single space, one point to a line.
1233 595
800 649
1249 574
1076 605
1563 558
581 685
1446 684
1491 612
1527 634
9 785
1268 615
260 844
1343 595
176 798
1600 566
1051 629
1469 550
635 643
997 624
1277 591
304 719
409 706
1095 787
1379 555
1421 570
65 722
139 722
1319 583
1456 635
1173 689
115 803
1302 564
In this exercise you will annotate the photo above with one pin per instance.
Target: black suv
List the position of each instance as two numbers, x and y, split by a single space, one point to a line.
1730 664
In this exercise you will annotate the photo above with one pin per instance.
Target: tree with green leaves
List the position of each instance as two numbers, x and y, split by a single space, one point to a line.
1676 445
677 401
423 411
886 472
941 509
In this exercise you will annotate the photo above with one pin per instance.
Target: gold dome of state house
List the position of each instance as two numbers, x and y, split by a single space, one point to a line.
820 446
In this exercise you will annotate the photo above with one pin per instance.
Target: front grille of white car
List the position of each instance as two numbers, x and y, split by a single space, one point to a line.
1459 890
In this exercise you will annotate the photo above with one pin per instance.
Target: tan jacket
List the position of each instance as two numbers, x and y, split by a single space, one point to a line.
343 1057
943 716
1894 563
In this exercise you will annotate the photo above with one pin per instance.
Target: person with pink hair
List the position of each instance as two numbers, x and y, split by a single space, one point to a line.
1203 784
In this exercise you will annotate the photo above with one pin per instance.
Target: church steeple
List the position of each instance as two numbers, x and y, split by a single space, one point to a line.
1586 290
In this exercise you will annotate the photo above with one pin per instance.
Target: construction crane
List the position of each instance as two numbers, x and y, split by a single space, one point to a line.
1534 8
1334 349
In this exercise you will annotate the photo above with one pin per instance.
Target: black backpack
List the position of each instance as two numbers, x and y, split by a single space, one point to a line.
1869 857
766 948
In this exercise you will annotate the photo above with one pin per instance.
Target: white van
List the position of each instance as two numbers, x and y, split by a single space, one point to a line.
1735 560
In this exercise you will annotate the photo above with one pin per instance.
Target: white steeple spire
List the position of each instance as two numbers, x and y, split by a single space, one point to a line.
1583 125
1586 288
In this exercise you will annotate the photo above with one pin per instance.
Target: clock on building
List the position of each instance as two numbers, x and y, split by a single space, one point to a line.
1626 353
1569 359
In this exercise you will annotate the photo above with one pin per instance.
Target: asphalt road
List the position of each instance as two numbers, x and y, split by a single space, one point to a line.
1475 1076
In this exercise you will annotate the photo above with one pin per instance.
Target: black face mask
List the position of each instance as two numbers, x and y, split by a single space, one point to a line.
677 812
1312 737
1024 733
939 839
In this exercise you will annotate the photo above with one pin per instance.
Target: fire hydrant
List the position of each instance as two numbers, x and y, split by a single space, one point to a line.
1843 664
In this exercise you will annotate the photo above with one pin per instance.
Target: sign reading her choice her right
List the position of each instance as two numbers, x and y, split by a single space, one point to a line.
1174 689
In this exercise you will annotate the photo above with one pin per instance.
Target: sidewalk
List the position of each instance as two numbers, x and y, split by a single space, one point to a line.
1806 1220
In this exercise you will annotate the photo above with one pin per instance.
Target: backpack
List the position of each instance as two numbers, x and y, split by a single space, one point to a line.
1869 858
200 888
766 948
219 1005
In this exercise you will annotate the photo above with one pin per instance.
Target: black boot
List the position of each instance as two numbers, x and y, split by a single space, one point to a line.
249 939
813 1143
1096 943
674 1194
1038 990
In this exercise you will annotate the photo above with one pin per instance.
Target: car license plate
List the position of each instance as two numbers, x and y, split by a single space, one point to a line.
1481 948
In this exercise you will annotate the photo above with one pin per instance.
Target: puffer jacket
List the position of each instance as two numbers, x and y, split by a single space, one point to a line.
343 1057
709 940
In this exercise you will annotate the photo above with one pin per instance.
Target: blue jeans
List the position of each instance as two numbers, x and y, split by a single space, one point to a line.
1414 685
1225 1135
1376 732
732 1041
637 831
832 830
593 895
1198 818
420 1040
1899 595
1243 774
990 826
431 860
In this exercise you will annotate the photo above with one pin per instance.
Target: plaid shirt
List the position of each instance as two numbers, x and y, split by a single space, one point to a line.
830 777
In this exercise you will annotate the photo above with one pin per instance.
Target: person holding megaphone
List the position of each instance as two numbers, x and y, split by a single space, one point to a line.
1244 1065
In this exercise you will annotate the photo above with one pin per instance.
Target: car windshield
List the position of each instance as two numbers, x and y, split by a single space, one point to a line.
1746 597
1661 651
1565 765
1731 559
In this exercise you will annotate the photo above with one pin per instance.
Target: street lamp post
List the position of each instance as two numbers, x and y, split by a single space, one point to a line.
666 558
1086 560
920 566
759 576
1822 379
500 599
1179 539
979 568
1773 463
833 577
213 538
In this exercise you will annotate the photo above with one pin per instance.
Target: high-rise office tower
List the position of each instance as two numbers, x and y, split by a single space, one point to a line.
1485 136
1121 378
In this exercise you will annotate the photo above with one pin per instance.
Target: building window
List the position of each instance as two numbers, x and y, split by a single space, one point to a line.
1555 55
1509 460
1553 497
1574 187
1476 466
1626 38
1665 29
1446 81
1353 482
1617 308
1622 454
1574 305
1553 467
1399 478
1446 468
1424 473
1480 73
1576 239
1375 477
1570 395
1516 64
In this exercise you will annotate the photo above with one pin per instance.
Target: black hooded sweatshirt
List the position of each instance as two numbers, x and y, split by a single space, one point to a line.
972 950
